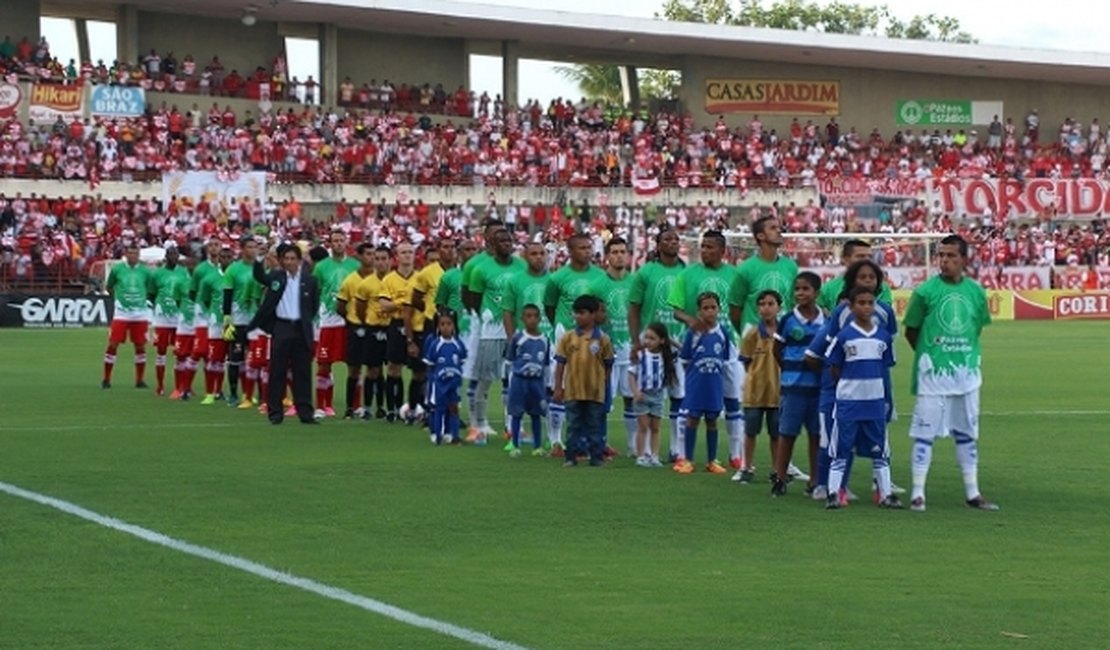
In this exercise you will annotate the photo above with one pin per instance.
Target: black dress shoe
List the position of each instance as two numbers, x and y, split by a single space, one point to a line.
310 422
276 420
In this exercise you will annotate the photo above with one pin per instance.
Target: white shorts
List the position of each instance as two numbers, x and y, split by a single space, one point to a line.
733 375
618 381
471 341
939 416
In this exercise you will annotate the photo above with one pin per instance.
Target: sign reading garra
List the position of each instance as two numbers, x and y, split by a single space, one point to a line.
54 311
772 96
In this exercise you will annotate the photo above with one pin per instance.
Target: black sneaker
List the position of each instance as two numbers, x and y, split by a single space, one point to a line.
772 477
349 414
141 384
891 502
366 415
746 476
832 502
778 488
391 416
570 462
979 503
809 490
597 462
105 384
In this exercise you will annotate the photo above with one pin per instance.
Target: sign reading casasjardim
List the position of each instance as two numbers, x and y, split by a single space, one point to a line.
933 112
772 96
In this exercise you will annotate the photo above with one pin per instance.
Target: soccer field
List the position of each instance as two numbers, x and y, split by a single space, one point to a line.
525 551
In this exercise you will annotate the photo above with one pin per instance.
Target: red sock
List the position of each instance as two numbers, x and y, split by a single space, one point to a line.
160 374
248 387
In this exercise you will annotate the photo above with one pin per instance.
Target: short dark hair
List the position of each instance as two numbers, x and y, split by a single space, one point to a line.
768 293
759 224
851 245
856 292
956 240
810 277
363 247
578 236
285 248
586 303
706 295
853 271
715 235
531 307
318 254
615 241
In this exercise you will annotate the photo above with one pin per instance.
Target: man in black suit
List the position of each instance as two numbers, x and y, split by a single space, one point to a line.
291 301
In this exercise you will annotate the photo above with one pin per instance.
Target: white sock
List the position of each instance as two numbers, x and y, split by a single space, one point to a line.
836 474
631 426
558 413
735 429
881 471
967 454
678 436
921 459
481 404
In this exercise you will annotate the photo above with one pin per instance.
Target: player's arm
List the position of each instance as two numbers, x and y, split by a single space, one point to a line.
361 302
550 301
635 311
678 292
508 310
737 295
560 368
342 298
258 270
915 317
835 357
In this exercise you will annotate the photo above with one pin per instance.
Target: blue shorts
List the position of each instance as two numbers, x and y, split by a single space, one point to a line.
527 395
797 410
865 438
442 394
698 414
755 416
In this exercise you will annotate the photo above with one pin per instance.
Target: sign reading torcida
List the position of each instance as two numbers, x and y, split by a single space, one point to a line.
772 96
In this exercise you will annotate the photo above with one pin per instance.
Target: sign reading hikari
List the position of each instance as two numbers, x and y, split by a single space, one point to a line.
772 97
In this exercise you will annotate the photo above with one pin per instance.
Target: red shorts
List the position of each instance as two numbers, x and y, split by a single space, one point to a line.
258 354
200 342
163 337
217 350
183 345
122 329
332 345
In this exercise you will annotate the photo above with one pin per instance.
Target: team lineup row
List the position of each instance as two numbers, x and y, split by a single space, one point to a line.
504 318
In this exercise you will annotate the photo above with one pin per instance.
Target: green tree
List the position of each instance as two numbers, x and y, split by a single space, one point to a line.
598 82
806 15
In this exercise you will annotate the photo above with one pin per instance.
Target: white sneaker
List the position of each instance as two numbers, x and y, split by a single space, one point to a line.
655 462
487 431
820 493
447 439
433 438
738 476
319 414
897 489
851 496
643 461
796 474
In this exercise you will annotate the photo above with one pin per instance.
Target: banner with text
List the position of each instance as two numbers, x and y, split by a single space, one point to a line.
1073 198
10 98
52 101
1074 277
855 191
945 112
117 101
772 97
215 187
54 311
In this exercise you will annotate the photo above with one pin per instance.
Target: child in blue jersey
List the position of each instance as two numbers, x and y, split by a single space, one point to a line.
800 385
860 358
826 404
705 349
529 355
651 377
444 354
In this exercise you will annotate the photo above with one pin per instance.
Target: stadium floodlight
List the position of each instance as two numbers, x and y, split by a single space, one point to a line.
249 19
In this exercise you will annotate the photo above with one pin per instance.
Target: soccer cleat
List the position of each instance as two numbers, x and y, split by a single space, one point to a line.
771 476
105 384
487 431
366 416
472 435
219 397
795 474
378 415
850 496
842 497
291 411
672 458
778 488
159 392
655 462
979 503
141 384
897 489
643 461
684 466
539 452
233 401
918 504
891 502
186 396
319 414
509 446
287 402
514 453
557 451
570 462
208 400
329 412
175 395
349 414
736 462
714 467
263 409
820 493
247 403
746 476
832 502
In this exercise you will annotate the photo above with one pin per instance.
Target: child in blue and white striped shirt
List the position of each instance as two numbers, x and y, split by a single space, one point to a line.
651 376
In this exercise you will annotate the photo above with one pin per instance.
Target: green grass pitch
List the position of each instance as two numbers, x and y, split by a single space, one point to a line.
619 557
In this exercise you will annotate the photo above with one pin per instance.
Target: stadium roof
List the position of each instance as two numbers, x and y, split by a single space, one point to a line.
645 42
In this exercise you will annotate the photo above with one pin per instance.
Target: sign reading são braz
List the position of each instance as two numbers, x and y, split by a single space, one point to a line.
49 311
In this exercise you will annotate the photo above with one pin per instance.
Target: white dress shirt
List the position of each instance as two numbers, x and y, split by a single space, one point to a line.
289 307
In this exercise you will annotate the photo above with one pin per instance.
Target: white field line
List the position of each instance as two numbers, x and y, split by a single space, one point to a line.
118 427
333 593
1064 412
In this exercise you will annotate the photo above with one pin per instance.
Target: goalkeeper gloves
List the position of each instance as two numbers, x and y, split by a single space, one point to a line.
229 329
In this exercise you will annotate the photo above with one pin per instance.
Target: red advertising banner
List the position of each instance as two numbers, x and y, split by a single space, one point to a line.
50 101
1018 278
1086 305
1075 198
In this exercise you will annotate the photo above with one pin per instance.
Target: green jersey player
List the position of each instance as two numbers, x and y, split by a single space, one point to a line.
168 279
613 289
131 285
330 274
766 270
854 250
241 297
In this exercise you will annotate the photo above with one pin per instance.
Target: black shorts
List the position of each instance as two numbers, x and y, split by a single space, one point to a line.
398 348
376 353
358 345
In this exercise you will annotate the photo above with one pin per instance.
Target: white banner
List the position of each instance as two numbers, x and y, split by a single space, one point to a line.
1017 278
1074 198
218 187
895 277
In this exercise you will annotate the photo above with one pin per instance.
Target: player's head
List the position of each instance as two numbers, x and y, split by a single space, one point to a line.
447 252
131 253
585 311
172 256
712 248
290 256
227 256
248 247
317 254
861 301
768 303
491 227
446 322
530 316
656 337
365 253
405 254
467 249
855 250
536 257
212 250
616 254
952 257
864 273
806 286
189 262
667 243
767 230
580 248
338 243
709 305
383 260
